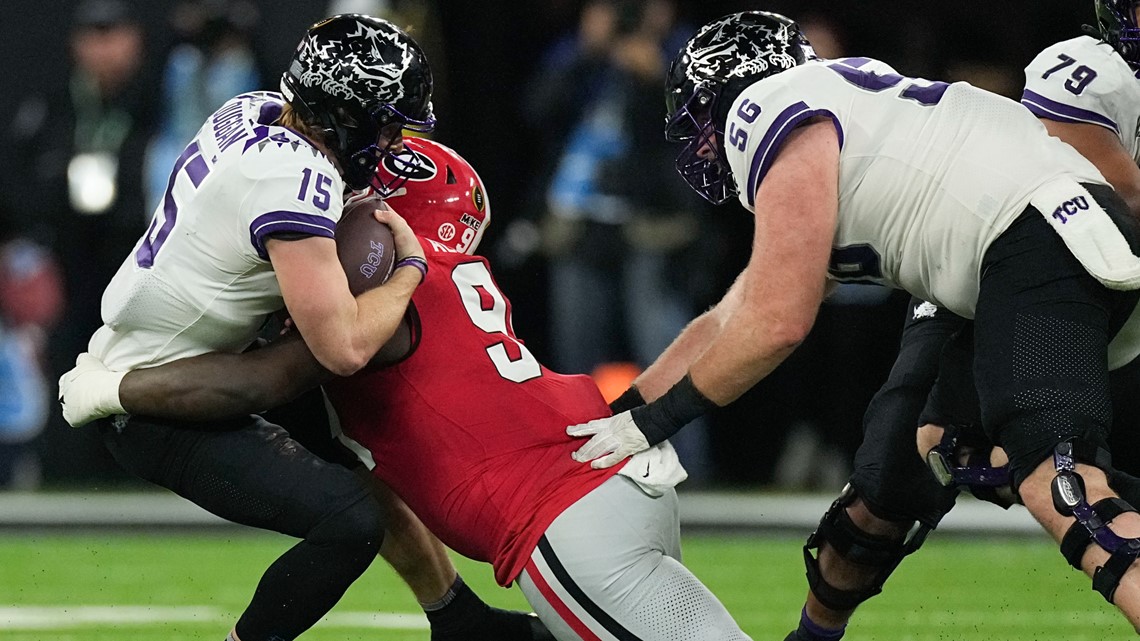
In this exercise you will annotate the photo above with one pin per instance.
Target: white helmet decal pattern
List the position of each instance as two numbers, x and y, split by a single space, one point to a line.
357 58
735 54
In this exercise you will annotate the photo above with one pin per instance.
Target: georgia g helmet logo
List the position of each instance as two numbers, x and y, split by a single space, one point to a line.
410 164
736 54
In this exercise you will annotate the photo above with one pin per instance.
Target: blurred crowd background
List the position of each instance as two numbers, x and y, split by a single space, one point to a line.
603 250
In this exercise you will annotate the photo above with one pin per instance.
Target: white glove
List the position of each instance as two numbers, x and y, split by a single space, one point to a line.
89 391
613 439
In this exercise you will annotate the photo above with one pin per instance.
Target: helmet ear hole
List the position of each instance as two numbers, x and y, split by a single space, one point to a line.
451 176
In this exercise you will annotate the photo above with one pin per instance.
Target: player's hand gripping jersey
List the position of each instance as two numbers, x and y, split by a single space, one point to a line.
200 280
470 429
929 173
1085 81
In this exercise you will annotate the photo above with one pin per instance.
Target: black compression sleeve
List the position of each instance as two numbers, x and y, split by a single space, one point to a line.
667 415
628 400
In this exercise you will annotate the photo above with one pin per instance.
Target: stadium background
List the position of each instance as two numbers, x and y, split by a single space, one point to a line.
490 51
486 54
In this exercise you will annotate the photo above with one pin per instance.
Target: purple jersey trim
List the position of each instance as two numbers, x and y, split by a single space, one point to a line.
1043 107
854 63
774 138
277 222
269 112
197 169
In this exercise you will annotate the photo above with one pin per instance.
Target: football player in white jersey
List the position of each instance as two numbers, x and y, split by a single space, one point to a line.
954 194
1085 91
535 519
1080 89
245 229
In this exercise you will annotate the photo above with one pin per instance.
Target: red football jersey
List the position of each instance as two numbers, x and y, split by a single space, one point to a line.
470 430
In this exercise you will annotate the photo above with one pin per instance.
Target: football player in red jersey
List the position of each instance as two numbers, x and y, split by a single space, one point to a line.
468 428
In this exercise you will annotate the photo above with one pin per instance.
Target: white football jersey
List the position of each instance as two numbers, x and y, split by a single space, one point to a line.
929 173
199 279
1085 81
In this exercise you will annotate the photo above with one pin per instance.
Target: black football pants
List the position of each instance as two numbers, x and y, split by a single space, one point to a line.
252 472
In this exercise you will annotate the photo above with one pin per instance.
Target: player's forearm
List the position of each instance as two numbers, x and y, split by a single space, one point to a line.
741 357
219 386
769 321
381 310
346 342
760 333
675 361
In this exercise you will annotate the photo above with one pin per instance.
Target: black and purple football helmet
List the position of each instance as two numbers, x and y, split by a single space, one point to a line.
353 75
708 73
1116 22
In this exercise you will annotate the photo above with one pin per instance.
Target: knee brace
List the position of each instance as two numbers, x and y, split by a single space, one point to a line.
1091 526
984 481
853 544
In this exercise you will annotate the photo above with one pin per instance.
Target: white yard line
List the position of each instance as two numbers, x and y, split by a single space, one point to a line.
39 617
44 617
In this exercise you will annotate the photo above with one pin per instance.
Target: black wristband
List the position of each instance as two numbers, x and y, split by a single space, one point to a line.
667 415
628 400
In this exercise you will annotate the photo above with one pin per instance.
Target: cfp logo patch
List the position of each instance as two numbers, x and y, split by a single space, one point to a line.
1070 208
372 260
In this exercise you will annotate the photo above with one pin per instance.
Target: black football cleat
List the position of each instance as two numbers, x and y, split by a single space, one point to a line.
494 624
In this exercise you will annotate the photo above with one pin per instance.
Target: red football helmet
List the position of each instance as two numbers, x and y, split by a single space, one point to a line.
443 199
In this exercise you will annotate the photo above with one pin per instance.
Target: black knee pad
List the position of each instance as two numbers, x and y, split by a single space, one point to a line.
853 544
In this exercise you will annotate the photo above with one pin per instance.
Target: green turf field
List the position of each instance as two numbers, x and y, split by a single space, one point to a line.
174 588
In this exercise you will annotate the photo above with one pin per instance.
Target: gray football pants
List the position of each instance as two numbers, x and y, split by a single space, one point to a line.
609 569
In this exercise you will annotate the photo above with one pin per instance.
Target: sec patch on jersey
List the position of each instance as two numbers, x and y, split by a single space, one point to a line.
364 245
